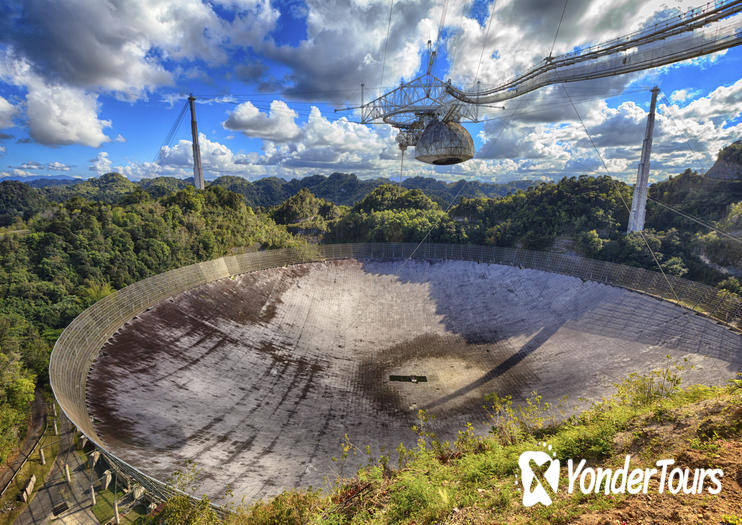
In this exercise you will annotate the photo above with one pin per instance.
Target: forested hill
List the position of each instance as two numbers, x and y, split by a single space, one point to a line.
338 188
65 257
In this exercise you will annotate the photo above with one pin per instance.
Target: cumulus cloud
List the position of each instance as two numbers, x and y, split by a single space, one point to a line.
724 102
684 137
32 165
101 164
58 166
333 144
681 95
279 125
622 126
65 53
346 45
7 112
318 144
505 141
121 46
216 159
521 33
57 114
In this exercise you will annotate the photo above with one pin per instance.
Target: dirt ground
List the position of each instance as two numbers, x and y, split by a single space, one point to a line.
673 439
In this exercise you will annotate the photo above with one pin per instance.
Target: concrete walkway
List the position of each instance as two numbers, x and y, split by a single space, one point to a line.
77 494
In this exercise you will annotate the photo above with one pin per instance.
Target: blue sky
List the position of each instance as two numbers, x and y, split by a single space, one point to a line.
91 87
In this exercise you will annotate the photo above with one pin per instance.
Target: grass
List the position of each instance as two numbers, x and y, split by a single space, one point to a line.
33 466
103 509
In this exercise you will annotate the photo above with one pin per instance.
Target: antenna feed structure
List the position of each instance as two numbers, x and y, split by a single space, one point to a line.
444 143
428 111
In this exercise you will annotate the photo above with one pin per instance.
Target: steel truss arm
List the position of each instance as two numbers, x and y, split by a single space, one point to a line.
680 38
636 52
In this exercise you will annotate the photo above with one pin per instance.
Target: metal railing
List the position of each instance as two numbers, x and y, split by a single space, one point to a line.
78 346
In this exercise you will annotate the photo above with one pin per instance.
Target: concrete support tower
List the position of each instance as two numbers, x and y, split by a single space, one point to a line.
198 174
641 189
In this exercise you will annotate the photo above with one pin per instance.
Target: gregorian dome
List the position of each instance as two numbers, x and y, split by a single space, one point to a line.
444 143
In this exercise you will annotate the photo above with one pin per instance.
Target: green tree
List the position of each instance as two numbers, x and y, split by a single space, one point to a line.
590 242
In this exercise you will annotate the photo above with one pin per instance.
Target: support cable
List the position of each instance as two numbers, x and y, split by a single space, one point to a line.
696 220
682 213
171 134
440 26
484 41
605 167
564 10
386 42
450 205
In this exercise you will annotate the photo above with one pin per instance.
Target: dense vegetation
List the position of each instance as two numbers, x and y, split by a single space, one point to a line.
588 213
75 253
732 153
305 213
18 201
535 217
339 188
393 214
347 189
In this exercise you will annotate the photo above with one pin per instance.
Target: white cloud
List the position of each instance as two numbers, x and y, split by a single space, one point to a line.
57 114
66 52
684 137
7 112
119 138
58 166
340 144
319 144
31 165
724 102
279 125
681 95
521 33
141 170
345 46
216 158
101 164
121 46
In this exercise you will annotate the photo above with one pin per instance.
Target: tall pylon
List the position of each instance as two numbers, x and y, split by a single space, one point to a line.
641 188
198 174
